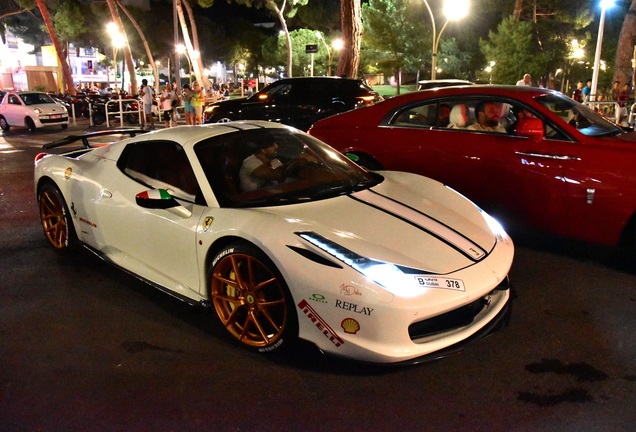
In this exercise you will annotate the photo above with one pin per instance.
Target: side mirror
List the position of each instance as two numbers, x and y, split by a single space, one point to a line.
531 128
160 199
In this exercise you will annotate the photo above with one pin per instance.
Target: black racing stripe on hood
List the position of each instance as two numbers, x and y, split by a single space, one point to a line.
420 227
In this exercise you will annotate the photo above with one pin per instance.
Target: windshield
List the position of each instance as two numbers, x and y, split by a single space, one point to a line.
580 116
36 98
277 166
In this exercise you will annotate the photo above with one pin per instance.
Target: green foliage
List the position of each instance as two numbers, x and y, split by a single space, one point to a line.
394 34
322 15
68 20
275 52
514 51
453 61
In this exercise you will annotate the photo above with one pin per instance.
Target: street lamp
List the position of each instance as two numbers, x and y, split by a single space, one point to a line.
605 4
118 41
181 49
453 9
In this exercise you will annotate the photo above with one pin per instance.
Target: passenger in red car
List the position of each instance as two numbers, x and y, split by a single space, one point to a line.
488 115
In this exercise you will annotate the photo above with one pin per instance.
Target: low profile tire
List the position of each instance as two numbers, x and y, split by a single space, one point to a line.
251 300
56 220
30 124
4 125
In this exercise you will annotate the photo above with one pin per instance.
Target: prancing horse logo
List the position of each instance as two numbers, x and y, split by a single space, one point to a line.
207 222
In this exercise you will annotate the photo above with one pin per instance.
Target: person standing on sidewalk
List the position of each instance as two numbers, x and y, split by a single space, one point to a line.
147 97
198 98
168 104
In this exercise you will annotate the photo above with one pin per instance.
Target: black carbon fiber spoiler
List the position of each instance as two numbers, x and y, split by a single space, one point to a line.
85 137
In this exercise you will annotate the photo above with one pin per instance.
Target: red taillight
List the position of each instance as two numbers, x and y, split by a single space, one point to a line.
40 156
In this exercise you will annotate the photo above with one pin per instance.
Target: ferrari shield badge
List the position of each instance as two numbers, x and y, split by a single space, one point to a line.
207 222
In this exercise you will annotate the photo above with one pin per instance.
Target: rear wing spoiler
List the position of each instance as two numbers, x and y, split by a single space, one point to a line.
85 137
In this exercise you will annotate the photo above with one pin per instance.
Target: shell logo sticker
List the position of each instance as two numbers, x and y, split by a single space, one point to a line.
349 325
207 222
68 172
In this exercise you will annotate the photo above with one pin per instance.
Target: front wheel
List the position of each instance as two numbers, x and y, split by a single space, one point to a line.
4 124
98 119
64 126
56 220
222 118
30 124
250 298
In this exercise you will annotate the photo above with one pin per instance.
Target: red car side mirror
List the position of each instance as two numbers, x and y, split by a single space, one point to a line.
531 128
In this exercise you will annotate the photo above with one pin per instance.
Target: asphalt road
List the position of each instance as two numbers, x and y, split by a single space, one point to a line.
85 347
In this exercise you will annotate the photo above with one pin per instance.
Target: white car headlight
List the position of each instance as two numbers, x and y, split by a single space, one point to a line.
37 110
396 279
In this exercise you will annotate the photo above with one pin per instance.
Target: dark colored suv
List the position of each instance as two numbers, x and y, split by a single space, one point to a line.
298 102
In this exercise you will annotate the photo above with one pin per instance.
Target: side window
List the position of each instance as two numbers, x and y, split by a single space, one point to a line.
279 92
418 116
13 99
160 165
438 114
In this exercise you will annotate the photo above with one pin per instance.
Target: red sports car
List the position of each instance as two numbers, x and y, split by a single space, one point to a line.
532 153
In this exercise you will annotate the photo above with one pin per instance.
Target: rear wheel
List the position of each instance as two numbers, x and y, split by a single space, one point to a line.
250 298
56 220
30 124
4 125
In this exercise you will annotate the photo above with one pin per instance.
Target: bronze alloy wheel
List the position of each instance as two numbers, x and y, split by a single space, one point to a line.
54 217
249 297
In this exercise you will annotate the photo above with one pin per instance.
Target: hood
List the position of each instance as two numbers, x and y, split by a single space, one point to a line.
407 220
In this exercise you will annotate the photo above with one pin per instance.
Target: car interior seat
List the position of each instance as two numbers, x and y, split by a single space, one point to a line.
458 116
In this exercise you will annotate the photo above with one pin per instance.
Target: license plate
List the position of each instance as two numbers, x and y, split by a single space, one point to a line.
440 283
56 116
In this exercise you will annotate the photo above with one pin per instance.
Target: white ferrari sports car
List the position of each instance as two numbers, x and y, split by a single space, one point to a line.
282 237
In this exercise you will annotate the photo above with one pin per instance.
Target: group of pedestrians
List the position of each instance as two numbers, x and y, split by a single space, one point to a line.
169 100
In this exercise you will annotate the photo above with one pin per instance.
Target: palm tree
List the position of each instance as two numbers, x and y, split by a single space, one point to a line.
66 69
127 55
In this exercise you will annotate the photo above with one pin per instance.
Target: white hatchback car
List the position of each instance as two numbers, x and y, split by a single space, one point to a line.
31 109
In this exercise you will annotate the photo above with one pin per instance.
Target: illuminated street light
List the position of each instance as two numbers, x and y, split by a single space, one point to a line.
605 4
181 49
453 9
118 41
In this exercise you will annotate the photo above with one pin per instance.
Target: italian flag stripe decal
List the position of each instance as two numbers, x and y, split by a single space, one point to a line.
155 194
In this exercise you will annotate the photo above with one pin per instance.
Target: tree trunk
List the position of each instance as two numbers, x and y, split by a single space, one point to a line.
127 54
66 69
625 48
283 23
144 40
188 44
518 9
195 41
351 18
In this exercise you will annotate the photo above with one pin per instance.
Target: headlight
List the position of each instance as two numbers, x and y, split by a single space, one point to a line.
396 279
37 110
211 108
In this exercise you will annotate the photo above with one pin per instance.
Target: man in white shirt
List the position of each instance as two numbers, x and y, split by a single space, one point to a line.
526 81
261 169
488 115
147 96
